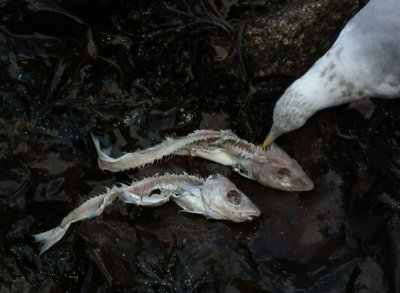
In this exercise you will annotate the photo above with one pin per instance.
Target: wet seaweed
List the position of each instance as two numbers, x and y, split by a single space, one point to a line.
185 67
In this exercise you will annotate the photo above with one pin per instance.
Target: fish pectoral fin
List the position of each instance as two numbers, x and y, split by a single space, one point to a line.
242 172
130 198
190 212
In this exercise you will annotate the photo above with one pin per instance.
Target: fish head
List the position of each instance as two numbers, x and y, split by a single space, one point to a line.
224 201
278 170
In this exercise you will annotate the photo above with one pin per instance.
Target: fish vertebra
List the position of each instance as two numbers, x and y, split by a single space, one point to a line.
215 198
148 156
272 167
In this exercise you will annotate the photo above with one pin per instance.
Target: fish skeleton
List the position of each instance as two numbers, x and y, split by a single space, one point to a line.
214 197
141 158
272 167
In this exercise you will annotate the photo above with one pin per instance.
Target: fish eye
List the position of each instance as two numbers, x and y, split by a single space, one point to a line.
234 197
283 172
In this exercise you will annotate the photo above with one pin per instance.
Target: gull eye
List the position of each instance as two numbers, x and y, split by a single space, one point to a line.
283 172
234 197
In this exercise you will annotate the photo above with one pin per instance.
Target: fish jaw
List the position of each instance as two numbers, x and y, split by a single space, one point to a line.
278 170
190 201
224 201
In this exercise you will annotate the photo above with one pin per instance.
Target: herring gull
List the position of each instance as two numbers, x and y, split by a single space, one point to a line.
363 62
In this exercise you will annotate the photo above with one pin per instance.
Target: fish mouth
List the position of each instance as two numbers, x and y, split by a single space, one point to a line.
303 184
294 184
307 185
250 215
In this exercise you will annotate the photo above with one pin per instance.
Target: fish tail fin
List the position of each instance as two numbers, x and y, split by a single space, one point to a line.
102 154
91 208
49 238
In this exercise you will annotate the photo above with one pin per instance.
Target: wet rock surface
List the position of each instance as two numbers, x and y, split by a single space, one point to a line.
287 39
177 67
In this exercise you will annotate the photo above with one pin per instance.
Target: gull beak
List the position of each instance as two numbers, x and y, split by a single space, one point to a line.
270 139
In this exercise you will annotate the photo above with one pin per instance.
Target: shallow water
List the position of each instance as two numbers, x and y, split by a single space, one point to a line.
341 237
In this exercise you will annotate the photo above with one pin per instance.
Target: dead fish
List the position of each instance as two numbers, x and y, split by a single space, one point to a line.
215 198
219 199
272 167
141 158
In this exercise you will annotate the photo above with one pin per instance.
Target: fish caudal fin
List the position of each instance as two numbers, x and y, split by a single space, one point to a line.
49 238
102 154
89 209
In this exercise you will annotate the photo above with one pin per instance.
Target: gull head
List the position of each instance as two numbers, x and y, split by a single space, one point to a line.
291 112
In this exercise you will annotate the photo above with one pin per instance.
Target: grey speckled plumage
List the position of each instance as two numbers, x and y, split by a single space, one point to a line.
363 62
